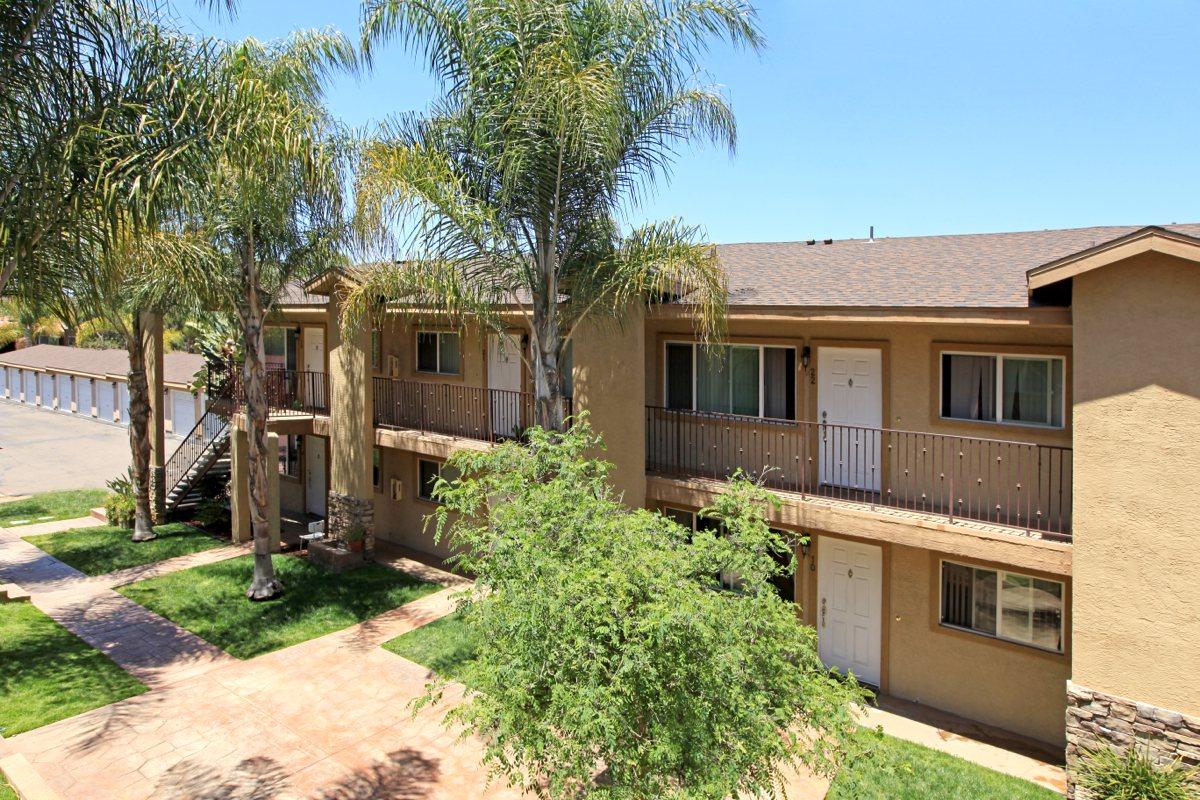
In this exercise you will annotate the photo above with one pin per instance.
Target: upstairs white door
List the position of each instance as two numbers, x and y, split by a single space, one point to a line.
312 360
504 384
850 410
850 607
83 396
314 475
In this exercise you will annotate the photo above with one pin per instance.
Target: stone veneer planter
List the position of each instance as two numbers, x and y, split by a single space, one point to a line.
1095 719
344 512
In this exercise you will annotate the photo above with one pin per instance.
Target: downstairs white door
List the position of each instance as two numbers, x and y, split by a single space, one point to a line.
314 475
850 607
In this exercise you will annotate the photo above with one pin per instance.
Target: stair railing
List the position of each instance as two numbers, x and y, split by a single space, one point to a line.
213 425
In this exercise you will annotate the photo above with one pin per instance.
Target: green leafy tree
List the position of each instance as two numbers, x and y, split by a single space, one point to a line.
557 116
612 663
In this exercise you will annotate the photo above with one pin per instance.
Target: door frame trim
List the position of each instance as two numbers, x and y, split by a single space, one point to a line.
814 594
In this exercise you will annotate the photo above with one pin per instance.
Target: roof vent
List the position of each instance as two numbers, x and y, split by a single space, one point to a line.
811 241
871 235
829 241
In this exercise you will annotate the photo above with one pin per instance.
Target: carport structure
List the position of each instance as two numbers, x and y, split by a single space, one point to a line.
93 383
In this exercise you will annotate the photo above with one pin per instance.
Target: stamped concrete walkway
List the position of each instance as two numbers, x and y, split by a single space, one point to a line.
327 719
152 649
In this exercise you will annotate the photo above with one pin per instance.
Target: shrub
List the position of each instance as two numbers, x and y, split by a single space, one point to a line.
120 507
120 510
1134 775
613 663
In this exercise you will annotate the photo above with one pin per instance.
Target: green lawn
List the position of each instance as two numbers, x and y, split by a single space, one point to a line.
444 645
50 506
6 791
894 769
891 769
99 550
210 601
47 673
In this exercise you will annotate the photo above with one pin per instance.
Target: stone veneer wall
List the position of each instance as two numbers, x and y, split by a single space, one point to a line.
1096 719
344 511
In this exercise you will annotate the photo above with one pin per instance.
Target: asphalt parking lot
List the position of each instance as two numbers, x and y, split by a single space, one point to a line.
41 451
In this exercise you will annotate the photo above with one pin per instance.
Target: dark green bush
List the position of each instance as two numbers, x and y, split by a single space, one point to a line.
1134 775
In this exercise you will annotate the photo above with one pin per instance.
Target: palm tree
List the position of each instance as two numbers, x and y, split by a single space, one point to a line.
74 79
556 117
274 216
154 119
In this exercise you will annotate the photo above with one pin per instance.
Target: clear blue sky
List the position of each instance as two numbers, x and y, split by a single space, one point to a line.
917 117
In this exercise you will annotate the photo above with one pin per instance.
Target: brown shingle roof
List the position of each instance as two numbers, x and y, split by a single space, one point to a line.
178 368
981 270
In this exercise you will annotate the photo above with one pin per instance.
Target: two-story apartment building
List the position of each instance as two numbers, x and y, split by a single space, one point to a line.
987 442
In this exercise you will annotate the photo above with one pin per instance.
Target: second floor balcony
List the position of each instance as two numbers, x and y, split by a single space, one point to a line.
288 391
454 409
1014 484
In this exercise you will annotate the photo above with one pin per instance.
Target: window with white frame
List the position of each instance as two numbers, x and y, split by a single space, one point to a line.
439 352
750 380
1005 605
992 387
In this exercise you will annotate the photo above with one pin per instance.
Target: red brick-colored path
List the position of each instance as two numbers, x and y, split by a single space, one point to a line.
327 719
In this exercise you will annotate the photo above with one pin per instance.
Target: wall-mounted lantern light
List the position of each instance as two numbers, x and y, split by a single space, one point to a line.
805 356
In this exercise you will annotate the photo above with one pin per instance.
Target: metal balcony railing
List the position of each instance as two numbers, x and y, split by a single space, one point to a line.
452 409
1016 484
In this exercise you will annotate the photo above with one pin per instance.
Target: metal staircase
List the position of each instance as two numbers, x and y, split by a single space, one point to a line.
203 451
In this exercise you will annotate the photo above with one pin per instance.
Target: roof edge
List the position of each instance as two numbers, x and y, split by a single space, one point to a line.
1152 238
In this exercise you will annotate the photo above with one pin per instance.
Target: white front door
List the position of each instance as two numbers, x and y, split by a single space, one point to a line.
850 410
314 475
504 384
850 607
312 360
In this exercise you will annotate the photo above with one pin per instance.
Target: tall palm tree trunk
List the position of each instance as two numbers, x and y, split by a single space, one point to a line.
547 343
264 585
139 430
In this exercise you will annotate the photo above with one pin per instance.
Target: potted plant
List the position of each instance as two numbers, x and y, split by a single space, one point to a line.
354 538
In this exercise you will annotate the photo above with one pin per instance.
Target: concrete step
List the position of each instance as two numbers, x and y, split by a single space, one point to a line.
12 593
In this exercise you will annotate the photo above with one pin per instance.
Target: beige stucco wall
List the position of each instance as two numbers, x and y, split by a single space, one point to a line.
403 522
1011 686
1137 446
398 339
609 385
911 380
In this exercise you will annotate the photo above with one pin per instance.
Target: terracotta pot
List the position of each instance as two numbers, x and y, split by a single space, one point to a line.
355 545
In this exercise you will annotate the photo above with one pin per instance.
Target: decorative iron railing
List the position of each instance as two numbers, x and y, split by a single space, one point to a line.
455 410
288 391
1017 484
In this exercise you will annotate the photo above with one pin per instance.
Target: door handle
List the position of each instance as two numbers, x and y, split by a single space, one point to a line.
822 612
824 425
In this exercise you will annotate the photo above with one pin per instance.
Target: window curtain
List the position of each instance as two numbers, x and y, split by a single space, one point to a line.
969 387
712 380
